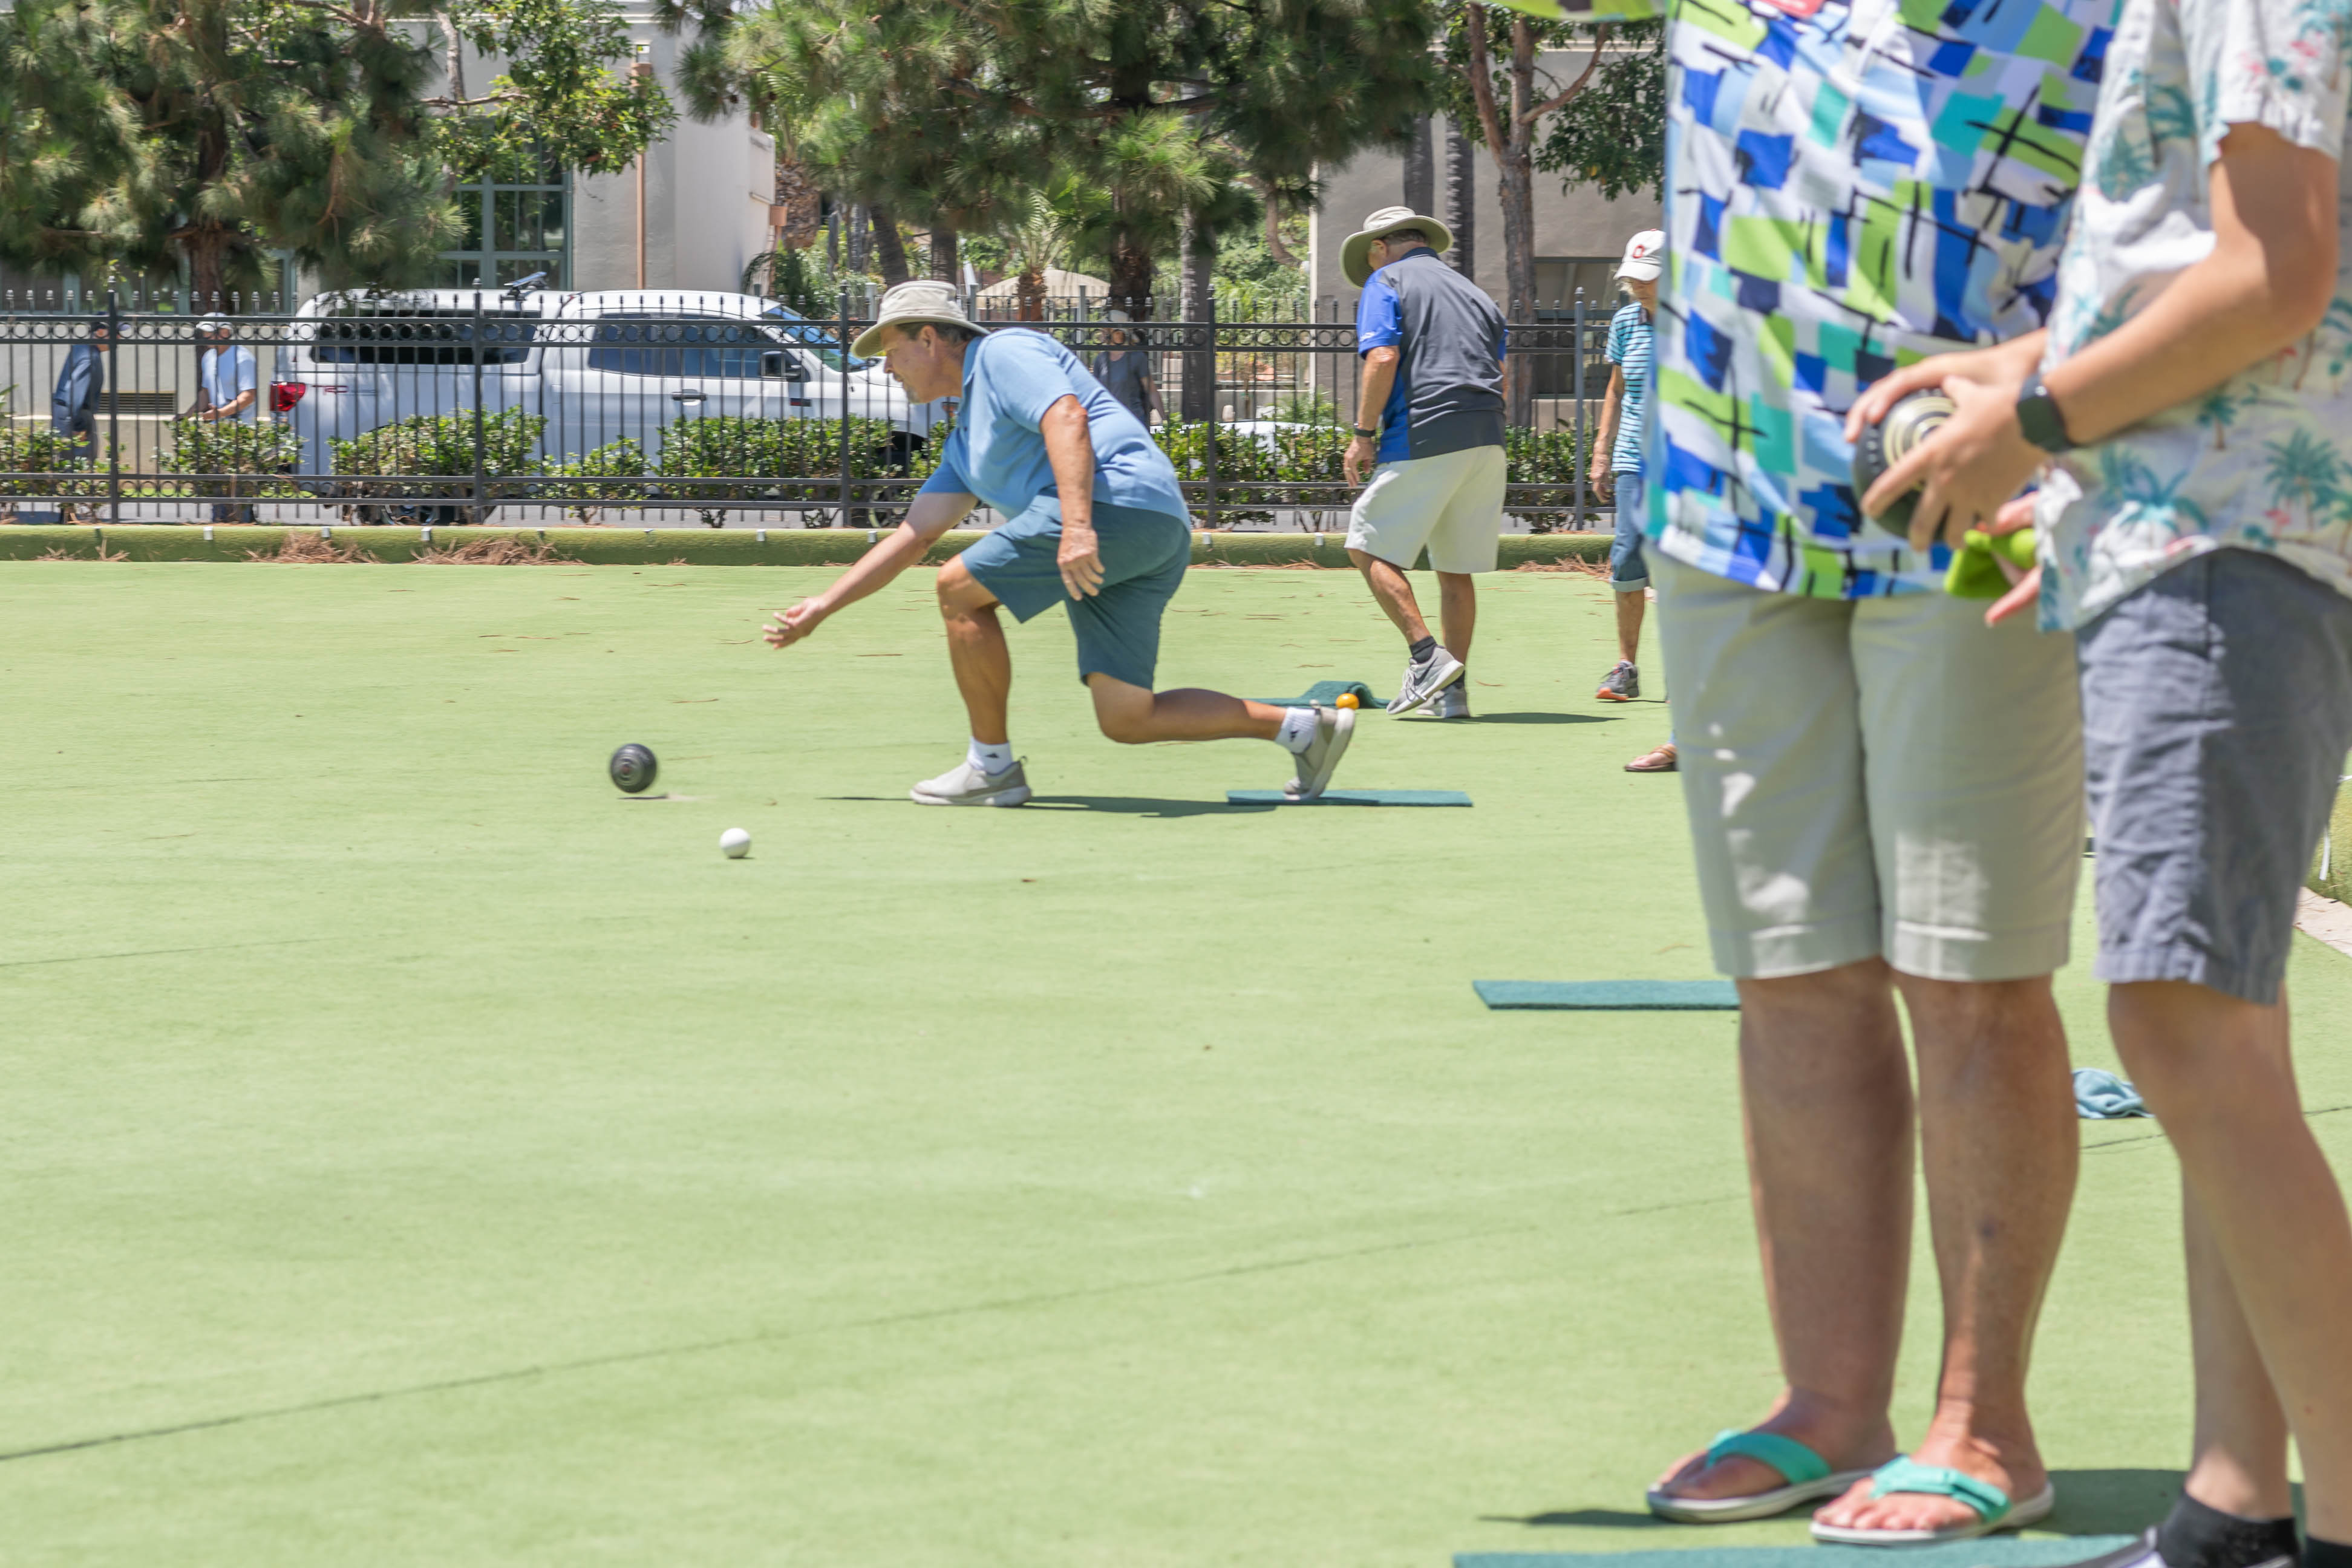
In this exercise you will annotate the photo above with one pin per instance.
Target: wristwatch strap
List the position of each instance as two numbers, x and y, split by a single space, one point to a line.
1367 434
2038 417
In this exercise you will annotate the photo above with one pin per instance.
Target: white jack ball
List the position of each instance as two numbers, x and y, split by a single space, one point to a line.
735 843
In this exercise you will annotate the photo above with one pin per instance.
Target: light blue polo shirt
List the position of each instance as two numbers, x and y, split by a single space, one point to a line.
1010 377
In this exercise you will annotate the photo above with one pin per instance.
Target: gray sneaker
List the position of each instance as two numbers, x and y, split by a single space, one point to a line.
1334 728
1622 684
964 785
1454 702
1424 679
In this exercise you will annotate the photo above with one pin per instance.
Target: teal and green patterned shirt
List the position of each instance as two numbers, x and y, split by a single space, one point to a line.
1851 184
2265 460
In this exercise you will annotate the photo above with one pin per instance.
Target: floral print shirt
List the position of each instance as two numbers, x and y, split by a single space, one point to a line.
2265 460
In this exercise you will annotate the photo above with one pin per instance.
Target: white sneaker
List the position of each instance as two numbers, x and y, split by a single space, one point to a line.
964 785
1424 680
1454 702
1334 728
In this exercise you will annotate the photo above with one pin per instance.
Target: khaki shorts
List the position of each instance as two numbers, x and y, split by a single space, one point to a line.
1452 502
1873 777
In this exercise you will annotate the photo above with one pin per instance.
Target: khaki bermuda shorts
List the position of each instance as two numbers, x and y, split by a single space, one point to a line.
1881 777
1452 502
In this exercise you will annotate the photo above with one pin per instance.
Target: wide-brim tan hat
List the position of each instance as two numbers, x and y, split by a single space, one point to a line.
913 305
1355 256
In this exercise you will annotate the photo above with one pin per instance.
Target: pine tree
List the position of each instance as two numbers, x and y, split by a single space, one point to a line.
137 134
1175 112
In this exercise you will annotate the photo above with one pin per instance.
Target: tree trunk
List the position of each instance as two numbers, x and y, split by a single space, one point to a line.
861 238
1199 305
1460 213
1510 137
1421 170
1282 254
1032 296
888 249
803 206
1130 278
207 248
946 253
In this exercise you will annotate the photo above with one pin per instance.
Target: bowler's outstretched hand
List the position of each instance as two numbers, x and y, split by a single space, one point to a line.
794 625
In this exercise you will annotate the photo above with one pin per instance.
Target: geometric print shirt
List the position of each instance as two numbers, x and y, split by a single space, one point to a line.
2263 462
1629 350
1850 186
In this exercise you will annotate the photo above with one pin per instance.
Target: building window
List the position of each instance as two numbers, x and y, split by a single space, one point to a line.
1558 278
513 228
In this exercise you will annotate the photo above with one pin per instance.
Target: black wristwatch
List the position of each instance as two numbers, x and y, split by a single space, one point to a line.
2038 416
1367 434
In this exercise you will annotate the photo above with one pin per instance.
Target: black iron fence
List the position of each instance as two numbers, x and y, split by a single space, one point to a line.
662 406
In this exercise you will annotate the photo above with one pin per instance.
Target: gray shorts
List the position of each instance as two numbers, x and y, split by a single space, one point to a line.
2217 708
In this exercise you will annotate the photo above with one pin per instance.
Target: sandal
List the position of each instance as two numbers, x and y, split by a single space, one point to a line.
1901 1474
1808 1475
1661 761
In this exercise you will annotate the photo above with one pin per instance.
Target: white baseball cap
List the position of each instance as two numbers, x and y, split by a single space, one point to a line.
1645 254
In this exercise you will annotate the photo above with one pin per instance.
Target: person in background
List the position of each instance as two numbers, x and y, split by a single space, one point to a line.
228 388
82 387
1429 426
1126 373
1628 352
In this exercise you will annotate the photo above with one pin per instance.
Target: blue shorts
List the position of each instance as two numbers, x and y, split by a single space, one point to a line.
1144 554
1628 573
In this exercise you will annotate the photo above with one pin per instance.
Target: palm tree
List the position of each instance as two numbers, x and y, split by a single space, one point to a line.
2302 467
2219 409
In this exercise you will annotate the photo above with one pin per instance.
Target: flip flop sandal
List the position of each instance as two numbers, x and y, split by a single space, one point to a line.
1809 1477
1662 760
1993 1509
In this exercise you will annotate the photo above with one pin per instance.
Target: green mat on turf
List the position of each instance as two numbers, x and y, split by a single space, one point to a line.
1327 692
1998 1551
1350 797
1608 995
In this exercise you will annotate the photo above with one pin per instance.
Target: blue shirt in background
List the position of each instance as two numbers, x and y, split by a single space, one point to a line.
1630 341
1010 377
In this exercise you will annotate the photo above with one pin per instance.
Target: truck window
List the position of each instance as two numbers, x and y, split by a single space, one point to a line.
693 348
415 338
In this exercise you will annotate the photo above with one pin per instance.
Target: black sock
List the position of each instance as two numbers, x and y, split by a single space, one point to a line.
2318 1553
2196 1536
1422 649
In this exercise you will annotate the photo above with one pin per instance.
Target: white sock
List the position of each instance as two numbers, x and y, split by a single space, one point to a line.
1297 731
990 759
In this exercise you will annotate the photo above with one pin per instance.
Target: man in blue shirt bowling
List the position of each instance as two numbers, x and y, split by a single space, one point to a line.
1097 522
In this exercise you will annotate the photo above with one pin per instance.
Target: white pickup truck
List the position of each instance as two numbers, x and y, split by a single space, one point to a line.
597 366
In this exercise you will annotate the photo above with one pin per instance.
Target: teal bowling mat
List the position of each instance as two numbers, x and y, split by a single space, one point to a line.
1611 997
1993 1552
1326 694
1350 797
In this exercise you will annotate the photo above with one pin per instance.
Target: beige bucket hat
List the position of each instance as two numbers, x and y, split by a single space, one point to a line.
1354 257
913 304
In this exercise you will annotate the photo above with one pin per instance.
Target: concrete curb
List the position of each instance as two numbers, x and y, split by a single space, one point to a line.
663 546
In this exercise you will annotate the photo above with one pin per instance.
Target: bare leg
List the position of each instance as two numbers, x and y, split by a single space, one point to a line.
2216 1071
1133 716
1457 611
977 650
2000 1144
2240 1451
1393 594
1630 610
1827 1095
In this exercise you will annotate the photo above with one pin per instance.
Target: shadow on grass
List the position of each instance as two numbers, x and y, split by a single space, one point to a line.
1142 805
2089 1502
1544 719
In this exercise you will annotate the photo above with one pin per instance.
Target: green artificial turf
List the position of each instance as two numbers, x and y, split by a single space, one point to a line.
417 1153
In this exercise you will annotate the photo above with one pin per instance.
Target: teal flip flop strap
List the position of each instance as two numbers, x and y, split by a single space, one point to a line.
1901 1474
1793 1460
